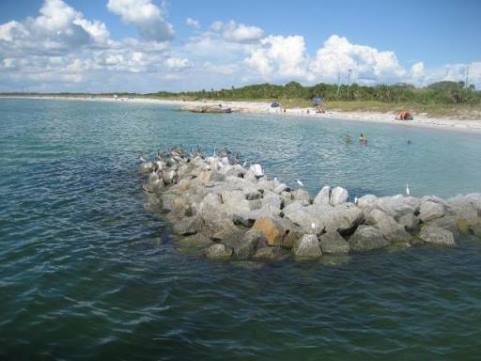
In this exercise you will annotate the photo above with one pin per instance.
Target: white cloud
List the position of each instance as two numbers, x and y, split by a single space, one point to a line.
339 56
147 17
193 23
60 49
280 57
241 33
237 32
177 63
57 27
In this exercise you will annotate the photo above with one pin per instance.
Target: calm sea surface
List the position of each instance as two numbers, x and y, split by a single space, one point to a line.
86 272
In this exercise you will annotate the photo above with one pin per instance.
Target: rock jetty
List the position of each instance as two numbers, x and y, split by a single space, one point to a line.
224 210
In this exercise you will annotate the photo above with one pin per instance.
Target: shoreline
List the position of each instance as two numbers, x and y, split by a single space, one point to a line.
421 121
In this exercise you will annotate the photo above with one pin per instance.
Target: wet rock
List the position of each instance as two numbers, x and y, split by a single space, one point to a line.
193 244
430 210
333 243
269 254
437 235
218 251
367 238
307 247
339 195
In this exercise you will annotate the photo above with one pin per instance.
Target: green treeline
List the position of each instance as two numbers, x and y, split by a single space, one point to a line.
445 92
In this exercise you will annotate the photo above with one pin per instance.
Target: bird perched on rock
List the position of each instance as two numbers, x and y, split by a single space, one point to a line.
299 182
408 191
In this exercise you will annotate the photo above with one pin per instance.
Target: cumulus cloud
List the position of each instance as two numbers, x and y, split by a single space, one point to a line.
193 23
238 33
283 56
147 17
339 56
58 26
59 49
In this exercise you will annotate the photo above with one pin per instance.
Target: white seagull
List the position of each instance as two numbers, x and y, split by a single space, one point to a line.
313 226
355 200
408 192
299 182
142 159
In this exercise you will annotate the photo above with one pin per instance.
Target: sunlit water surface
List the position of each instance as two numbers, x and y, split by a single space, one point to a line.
86 272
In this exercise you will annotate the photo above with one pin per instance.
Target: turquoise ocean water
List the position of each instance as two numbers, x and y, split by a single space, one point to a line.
86 272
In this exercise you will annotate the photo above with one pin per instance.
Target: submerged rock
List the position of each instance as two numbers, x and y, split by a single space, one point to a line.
270 254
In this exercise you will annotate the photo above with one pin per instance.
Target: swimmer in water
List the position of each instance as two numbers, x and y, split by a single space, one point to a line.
362 139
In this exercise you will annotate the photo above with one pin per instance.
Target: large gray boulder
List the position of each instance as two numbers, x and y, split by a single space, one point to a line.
307 247
333 243
271 199
246 246
437 235
339 195
323 197
367 202
398 205
234 201
213 213
431 210
367 238
410 223
316 219
391 230
301 196
187 226
218 251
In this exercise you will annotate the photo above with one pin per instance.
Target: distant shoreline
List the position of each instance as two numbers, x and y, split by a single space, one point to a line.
422 121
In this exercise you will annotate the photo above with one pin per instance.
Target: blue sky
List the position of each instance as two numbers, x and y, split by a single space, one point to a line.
147 45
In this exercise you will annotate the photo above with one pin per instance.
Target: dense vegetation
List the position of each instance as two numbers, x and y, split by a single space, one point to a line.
445 92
